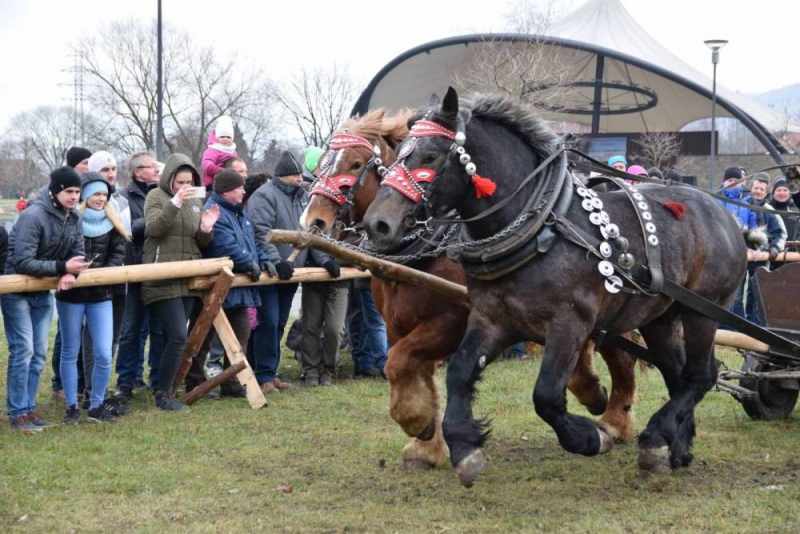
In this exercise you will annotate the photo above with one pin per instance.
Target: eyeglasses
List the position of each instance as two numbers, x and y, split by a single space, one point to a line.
154 166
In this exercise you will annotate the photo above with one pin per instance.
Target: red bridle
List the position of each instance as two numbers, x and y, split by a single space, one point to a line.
330 186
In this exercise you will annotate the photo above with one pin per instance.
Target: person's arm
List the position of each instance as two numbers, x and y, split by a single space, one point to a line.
26 245
210 163
117 246
3 248
263 215
158 218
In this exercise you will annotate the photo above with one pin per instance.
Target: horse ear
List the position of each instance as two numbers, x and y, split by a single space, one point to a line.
434 101
450 104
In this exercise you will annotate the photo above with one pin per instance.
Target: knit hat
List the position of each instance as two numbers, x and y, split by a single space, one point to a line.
101 159
637 170
76 154
311 156
780 182
655 172
224 127
92 183
732 172
63 178
761 177
673 175
287 165
227 180
617 159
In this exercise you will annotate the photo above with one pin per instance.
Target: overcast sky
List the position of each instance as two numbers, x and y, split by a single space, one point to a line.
280 36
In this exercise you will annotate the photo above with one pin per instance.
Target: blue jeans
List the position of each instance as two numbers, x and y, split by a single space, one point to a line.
276 303
132 340
745 308
369 346
100 323
27 318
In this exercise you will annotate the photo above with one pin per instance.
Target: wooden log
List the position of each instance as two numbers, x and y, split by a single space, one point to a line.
753 255
20 283
769 375
303 274
201 390
236 355
382 268
738 340
211 308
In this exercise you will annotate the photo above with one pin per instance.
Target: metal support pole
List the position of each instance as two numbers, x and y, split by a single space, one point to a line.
715 56
160 94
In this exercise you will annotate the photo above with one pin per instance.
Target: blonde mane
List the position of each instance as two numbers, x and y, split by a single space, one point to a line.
376 125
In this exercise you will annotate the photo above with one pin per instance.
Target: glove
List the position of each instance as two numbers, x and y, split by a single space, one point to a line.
270 268
332 266
285 270
255 272
773 253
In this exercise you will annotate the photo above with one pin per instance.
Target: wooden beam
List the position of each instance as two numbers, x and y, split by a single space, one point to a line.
20 283
303 274
236 355
211 308
728 338
382 268
201 390
753 255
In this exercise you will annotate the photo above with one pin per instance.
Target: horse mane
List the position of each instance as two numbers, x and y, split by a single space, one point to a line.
375 125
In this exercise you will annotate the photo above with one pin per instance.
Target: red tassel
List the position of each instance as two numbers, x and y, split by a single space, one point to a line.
484 187
677 209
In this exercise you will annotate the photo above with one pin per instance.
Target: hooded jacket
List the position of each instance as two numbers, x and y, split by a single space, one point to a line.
172 234
44 238
745 217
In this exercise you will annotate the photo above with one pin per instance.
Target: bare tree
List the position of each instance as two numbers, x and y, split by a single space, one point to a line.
657 149
316 102
18 170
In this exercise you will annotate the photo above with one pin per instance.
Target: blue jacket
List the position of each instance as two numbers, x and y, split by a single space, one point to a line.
773 223
745 216
235 237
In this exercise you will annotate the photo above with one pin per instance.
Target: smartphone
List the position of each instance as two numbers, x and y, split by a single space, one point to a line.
93 258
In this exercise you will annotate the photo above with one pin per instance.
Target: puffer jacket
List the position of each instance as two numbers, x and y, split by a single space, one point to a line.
235 238
44 238
110 250
172 234
278 205
745 217
136 197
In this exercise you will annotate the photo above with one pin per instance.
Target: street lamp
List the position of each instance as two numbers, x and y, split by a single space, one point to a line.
715 45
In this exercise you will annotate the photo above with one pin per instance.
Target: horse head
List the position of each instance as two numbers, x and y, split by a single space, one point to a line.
352 168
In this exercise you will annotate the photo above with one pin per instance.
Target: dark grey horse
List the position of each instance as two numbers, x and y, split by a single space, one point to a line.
558 298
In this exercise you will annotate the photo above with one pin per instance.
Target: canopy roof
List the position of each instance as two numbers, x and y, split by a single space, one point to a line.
644 88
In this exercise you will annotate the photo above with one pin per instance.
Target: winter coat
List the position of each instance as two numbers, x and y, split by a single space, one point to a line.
789 222
172 234
44 238
214 159
136 197
3 245
235 238
110 248
745 217
776 231
278 205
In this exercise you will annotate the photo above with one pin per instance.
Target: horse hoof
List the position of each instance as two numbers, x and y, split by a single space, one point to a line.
654 461
428 432
416 465
470 467
598 407
606 439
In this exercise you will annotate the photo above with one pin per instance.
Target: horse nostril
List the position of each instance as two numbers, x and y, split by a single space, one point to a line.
319 223
382 228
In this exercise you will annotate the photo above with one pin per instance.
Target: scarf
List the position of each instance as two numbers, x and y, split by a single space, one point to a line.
96 223
222 148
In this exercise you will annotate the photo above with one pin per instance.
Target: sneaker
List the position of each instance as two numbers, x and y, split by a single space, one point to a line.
101 414
140 385
21 422
325 379
37 420
169 404
87 402
123 394
116 406
72 415
58 395
213 370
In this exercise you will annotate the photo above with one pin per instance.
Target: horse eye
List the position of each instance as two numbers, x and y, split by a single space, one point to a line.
429 158
357 165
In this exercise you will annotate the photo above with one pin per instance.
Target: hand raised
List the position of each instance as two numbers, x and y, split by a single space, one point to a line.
210 217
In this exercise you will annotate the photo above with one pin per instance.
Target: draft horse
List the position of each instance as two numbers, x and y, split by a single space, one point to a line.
551 288
422 327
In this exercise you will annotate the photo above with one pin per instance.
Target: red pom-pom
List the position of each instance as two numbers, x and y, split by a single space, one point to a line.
484 187
677 209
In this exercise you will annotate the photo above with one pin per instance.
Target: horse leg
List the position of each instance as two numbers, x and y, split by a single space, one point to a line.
667 440
575 433
618 417
414 397
464 435
585 384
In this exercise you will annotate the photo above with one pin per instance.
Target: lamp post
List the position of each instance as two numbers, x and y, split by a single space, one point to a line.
715 45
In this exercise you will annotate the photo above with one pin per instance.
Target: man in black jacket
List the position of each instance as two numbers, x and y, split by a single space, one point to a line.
130 358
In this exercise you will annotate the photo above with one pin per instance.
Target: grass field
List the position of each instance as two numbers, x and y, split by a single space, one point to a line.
223 467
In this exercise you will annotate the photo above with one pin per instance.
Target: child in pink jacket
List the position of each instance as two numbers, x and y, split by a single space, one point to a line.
220 149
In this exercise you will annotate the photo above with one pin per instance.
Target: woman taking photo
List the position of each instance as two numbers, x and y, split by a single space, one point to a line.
176 228
104 239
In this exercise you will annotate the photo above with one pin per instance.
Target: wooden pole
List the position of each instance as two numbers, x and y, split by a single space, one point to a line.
303 274
738 340
20 283
201 390
382 268
236 355
753 255
211 307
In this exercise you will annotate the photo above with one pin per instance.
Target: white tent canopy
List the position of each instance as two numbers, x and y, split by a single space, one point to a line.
644 87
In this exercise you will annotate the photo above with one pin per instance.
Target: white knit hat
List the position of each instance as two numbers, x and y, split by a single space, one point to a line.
101 159
224 127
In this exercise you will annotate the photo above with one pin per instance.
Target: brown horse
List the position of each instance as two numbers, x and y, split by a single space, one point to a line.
422 327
